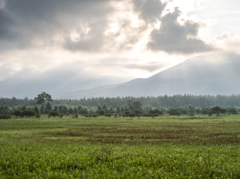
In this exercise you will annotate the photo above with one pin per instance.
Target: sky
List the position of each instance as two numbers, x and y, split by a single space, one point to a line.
112 39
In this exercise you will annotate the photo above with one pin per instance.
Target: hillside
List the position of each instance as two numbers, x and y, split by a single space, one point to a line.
56 82
196 76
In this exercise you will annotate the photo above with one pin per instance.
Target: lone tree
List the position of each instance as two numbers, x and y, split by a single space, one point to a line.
138 112
42 98
218 110
174 112
17 113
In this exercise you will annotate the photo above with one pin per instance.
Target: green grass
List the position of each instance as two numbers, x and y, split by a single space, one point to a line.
162 147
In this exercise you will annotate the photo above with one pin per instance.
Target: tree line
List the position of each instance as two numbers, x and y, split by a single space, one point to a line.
44 105
175 101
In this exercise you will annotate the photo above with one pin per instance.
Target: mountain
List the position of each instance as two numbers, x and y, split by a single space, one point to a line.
57 81
196 76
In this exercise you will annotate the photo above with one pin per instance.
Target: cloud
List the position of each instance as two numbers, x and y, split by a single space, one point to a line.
33 23
83 25
149 66
6 23
93 39
225 35
150 10
6 71
172 37
132 64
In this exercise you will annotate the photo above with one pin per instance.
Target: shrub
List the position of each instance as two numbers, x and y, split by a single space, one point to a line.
205 111
218 110
5 116
28 113
232 110
93 115
150 114
101 112
108 114
210 113
126 113
53 113
146 114
38 116
174 112
17 113
61 115
156 111
131 114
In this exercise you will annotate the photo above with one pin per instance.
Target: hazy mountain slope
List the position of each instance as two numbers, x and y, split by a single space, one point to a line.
56 82
195 76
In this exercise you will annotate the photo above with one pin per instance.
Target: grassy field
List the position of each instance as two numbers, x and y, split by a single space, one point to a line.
161 147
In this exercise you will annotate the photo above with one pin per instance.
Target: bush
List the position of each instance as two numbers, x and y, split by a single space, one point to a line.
157 114
146 114
183 111
61 115
28 113
156 111
108 115
93 115
191 114
232 110
101 112
53 113
5 116
38 116
126 113
17 113
218 110
150 114
205 111
210 113
84 112
76 115
131 114
174 112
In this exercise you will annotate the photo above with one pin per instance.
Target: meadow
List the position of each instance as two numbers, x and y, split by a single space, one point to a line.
102 147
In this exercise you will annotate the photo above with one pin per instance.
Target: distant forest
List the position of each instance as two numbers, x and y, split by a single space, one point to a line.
167 102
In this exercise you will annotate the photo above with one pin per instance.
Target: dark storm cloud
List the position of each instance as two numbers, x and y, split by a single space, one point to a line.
5 23
49 11
173 37
150 10
27 22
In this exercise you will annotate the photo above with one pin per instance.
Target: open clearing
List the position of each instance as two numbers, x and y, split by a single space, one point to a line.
161 147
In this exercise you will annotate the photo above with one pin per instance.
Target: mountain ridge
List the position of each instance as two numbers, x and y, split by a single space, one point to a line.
194 76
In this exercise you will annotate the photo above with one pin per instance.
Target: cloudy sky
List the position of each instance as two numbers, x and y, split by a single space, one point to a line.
121 39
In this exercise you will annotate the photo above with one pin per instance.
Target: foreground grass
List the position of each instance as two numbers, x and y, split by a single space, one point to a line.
163 147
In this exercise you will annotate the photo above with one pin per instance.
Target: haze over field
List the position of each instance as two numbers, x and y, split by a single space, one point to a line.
66 47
